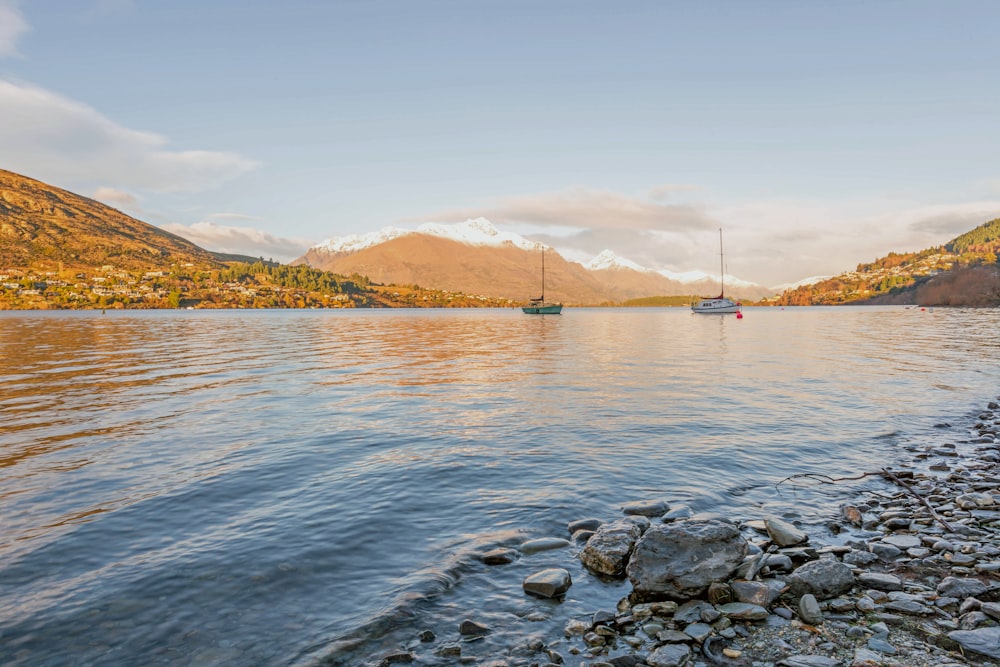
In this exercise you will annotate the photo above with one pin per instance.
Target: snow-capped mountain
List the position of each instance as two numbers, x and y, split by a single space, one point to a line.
477 232
608 260
477 258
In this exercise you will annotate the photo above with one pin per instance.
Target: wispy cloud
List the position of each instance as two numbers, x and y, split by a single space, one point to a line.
587 209
12 26
57 139
240 240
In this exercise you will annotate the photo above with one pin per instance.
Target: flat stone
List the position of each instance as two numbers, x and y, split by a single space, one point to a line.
909 607
543 544
698 631
742 611
882 646
985 641
902 541
880 581
583 524
825 579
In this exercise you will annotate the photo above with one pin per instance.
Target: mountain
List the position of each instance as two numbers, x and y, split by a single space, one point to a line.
963 271
44 225
476 257
504 269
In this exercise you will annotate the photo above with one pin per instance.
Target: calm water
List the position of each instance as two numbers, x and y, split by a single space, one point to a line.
283 487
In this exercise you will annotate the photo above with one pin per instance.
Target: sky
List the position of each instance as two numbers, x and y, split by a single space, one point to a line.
816 135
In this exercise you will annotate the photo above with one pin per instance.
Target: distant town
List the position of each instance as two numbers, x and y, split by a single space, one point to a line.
258 285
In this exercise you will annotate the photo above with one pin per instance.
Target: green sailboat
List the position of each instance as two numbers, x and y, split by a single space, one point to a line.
539 306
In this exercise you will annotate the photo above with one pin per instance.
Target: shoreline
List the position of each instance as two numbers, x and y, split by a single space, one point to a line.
909 577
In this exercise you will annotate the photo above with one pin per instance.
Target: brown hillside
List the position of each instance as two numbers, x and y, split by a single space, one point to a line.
42 225
438 263
974 286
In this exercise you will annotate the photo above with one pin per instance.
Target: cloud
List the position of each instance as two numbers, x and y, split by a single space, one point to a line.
53 138
585 208
117 198
240 240
12 26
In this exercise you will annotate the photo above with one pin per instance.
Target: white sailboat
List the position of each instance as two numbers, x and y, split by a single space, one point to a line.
720 304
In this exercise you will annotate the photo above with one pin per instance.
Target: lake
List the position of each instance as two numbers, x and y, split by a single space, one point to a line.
288 487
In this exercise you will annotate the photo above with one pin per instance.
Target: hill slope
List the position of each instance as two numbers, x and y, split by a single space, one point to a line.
44 225
961 272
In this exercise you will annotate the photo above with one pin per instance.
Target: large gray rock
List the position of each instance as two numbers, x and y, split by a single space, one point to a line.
678 561
608 549
956 587
981 640
825 578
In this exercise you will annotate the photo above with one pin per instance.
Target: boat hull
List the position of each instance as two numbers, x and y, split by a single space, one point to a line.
716 306
544 309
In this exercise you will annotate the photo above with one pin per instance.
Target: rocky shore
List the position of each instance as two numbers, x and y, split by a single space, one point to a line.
911 580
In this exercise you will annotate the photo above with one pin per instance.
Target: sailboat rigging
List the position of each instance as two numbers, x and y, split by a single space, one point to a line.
719 304
539 306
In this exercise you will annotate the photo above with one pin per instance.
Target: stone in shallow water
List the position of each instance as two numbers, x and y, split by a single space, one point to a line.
657 507
499 556
543 544
548 583
783 533
608 549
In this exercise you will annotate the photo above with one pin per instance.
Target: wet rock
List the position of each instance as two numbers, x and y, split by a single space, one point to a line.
548 583
783 533
543 544
677 513
860 558
608 549
472 628
583 524
657 507
499 556
824 578
680 560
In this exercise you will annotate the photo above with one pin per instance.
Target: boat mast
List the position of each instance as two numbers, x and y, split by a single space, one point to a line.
543 274
722 269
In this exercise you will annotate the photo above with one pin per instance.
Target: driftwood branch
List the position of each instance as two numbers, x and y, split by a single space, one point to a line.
887 474
923 500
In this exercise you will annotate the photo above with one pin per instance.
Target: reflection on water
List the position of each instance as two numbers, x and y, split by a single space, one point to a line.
254 487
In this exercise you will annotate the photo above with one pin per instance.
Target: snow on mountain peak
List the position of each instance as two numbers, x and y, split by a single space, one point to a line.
478 232
609 260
